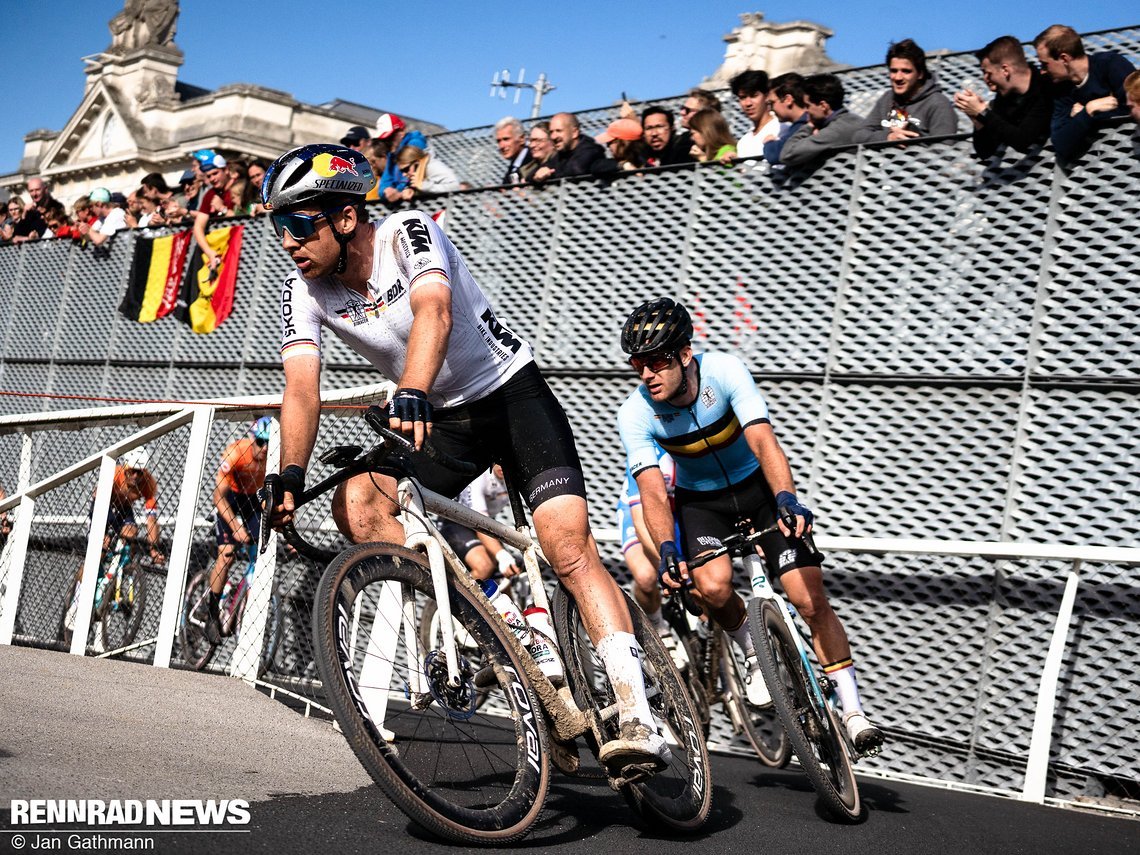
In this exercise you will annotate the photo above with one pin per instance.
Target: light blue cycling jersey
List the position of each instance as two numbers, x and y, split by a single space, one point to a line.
705 439
631 495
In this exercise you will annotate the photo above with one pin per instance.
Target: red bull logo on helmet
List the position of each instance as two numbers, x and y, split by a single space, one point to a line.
330 165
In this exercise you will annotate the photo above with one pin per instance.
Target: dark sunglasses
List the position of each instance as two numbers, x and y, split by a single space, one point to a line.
655 362
299 226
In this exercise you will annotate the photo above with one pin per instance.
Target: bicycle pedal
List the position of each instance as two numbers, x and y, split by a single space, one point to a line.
634 773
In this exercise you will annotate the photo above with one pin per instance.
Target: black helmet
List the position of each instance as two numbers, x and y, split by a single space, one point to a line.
657 325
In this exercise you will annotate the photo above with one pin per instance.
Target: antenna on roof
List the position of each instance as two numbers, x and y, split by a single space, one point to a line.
502 81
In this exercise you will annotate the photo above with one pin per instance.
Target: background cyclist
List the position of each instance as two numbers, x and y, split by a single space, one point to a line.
639 550
482 553
398 292
132 483
705 410
239 476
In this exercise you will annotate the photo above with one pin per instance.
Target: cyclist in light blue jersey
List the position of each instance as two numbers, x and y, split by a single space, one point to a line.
637 547
705 410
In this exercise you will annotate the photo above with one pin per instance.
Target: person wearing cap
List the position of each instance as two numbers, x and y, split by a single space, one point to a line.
510 138
627 150
111 217
574 154
391 130
217 200
357 138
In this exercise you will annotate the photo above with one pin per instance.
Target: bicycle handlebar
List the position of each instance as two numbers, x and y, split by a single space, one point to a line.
377 419
739 544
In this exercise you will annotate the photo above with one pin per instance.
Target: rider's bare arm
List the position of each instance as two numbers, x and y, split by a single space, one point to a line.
427 342
300 416
773 462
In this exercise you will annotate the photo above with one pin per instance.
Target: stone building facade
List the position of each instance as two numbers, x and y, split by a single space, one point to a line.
137 117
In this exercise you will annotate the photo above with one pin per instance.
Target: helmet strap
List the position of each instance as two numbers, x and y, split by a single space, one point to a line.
344 240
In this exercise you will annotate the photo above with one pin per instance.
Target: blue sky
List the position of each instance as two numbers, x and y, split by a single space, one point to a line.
435 60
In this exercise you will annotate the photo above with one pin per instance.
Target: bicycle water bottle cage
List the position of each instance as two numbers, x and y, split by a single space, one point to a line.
340 456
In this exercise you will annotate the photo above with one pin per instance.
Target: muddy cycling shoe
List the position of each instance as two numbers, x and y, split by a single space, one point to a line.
867 738
213 624
635 744
754 686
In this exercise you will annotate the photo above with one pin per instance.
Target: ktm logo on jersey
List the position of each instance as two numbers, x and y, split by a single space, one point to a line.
420 237
503 336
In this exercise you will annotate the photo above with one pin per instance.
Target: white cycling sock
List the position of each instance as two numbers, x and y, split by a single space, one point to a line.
843 674
742 636
621 656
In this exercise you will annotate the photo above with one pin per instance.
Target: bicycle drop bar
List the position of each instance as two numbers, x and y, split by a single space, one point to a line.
739 544
377 419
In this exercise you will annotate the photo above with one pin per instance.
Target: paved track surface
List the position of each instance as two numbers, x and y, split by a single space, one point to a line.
94 729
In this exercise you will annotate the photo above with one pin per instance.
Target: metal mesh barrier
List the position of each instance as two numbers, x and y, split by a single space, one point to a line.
947 347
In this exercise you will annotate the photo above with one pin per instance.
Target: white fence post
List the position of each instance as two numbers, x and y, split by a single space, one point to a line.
1037 766
183 534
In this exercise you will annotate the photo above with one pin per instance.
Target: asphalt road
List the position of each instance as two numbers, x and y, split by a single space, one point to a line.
94 729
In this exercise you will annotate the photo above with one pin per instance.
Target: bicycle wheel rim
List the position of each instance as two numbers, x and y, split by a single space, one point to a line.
474 775
813 730
762 728
679 796
196 648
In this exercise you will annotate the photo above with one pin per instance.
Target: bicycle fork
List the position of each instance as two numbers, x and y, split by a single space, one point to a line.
762 589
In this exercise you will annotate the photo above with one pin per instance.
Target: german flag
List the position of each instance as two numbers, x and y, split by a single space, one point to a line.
208 295
155 277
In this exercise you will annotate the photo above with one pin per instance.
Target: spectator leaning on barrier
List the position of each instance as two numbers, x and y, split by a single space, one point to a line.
697 99
786 103
627 149
58 223
25 222
914 106
190 189
574 154
751 91
1088 89
425 173
510 137
39 194
712 137
829 124
395 135
1132 94
111 217
665 147
541 148
217 201
1022 105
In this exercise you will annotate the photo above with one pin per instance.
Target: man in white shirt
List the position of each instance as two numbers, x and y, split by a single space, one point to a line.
112 217
751 91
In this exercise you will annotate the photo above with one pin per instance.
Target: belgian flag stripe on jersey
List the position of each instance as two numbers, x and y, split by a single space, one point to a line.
720 434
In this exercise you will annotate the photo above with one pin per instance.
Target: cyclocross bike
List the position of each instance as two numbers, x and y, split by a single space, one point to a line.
713 670
197 650
120 594
803 696
461 732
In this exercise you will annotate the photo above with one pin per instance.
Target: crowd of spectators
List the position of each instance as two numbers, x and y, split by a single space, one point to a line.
793 121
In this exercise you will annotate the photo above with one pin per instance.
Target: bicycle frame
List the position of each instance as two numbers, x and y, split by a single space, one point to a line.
566 719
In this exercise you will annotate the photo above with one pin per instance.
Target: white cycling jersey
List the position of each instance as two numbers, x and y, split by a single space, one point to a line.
409 250
487 494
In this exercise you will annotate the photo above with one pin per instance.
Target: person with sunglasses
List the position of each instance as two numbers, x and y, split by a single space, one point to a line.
399 293
704 410
239 476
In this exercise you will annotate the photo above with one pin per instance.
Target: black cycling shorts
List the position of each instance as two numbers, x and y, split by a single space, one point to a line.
460 538
706 517
249 509
520 425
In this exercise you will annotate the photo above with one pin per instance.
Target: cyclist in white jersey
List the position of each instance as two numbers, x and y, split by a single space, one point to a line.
705 410
399 293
